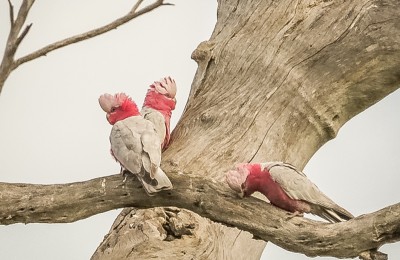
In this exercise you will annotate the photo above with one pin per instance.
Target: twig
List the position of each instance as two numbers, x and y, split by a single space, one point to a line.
136 6
8 64
23 34
11 13
90 34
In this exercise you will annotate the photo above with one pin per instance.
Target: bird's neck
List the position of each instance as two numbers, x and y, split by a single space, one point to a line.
255 180
159 102
163 105
261 181
123 114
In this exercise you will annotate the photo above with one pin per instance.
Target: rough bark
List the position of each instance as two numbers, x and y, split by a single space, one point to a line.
148 231
277 80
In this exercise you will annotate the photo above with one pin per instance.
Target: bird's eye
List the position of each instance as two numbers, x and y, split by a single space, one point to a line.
113 109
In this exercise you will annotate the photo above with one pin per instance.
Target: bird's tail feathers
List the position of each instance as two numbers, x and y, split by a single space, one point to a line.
158 183
335 216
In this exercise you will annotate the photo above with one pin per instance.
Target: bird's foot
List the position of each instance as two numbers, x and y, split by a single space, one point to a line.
125 174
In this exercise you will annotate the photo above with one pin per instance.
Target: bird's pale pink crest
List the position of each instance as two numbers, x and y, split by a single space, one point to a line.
165 86
236 178
107 102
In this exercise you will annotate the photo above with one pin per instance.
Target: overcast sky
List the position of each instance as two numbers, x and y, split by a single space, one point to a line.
53 130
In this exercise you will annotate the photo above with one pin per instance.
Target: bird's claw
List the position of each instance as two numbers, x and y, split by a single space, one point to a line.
124 174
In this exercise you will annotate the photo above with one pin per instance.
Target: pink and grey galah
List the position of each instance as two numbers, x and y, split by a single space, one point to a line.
134 142
285 187
158 105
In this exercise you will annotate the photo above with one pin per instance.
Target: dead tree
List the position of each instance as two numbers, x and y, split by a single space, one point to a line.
276 81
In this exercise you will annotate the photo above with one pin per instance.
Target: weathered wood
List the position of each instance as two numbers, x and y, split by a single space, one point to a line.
276 81
149 231
62 203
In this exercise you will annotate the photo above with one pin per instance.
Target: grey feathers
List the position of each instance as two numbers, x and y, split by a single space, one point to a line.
297 186
136 145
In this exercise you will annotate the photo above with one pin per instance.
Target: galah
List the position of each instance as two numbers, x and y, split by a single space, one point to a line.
286 188
134 142
158 105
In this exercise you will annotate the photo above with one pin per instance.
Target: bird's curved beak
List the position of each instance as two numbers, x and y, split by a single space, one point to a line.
241 194
106 102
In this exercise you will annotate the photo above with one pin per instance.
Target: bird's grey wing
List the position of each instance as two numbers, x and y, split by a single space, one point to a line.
157 119
151 157
150 143
297 186
269 165
126 147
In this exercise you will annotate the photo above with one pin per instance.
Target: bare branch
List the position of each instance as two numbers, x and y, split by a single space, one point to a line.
90 34
136 6
62 203
11 12
8 64
23 34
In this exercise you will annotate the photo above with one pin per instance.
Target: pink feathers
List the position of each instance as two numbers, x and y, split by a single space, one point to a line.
157 108
118 107
161 98
166 87
285 187
236 178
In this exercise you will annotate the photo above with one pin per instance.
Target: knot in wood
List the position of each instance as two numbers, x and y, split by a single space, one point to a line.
206 118
202 52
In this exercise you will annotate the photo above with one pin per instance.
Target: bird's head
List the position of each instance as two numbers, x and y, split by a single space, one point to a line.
118 107
161 95
237 178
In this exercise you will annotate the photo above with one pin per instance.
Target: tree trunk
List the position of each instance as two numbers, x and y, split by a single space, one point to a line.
276 81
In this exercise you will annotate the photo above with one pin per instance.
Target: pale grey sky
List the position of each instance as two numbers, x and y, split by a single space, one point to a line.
53 130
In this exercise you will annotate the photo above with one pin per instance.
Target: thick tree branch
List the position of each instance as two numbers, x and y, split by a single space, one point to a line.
62 203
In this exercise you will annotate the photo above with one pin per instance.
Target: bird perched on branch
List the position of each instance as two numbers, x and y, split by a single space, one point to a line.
134 142
286 188
158 105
